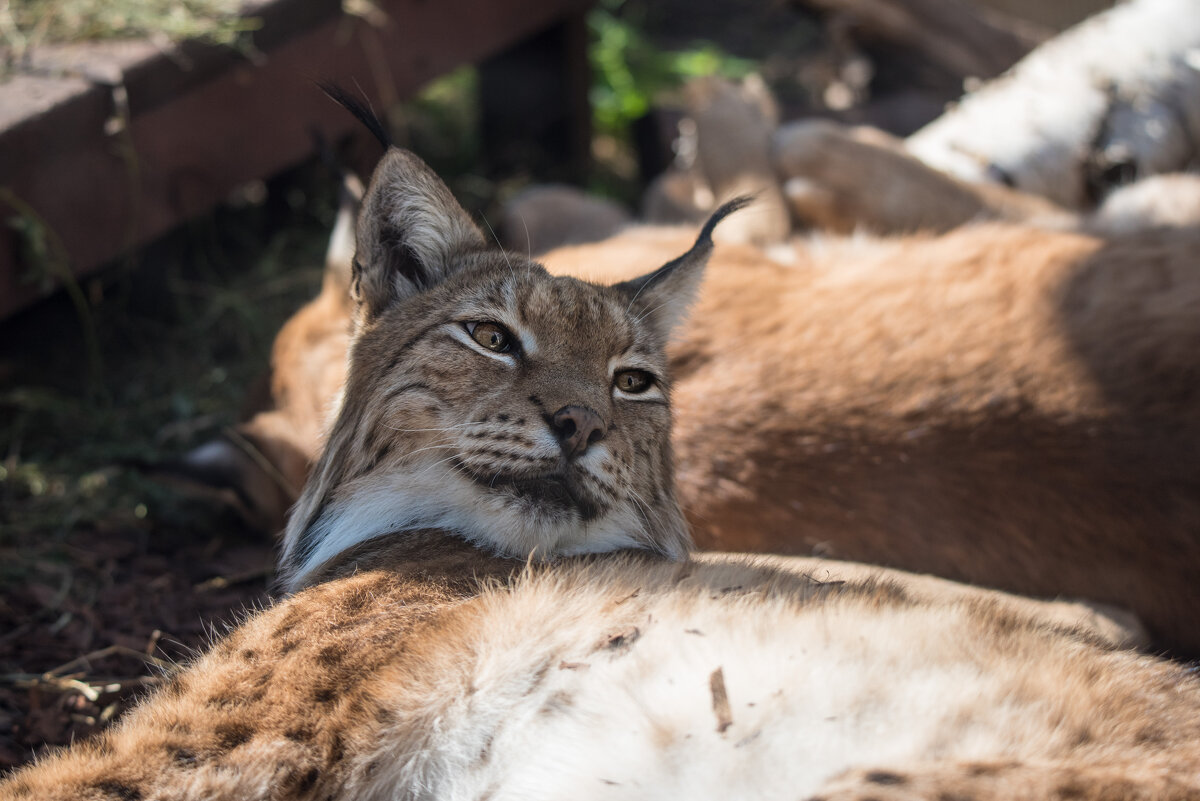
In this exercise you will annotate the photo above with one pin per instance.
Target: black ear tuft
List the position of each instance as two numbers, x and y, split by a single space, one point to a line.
663 296
700 249
698 253
360 109
737 204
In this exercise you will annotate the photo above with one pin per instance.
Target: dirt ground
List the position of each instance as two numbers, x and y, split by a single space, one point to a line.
103 614
109 579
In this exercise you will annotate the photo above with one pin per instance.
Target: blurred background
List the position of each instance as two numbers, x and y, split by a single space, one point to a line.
168 182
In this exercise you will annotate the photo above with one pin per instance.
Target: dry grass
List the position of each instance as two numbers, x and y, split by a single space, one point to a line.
27 24
56 21
95 557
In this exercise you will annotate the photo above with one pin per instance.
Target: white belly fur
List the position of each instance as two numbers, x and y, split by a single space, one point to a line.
531 702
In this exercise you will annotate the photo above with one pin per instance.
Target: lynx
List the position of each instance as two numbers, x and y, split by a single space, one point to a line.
441 640
1000 405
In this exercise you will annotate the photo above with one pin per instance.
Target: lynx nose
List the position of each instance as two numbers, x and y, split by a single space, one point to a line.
576 428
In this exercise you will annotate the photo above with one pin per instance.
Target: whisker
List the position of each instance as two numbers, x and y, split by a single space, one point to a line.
642 506
648 312
429 468
528 241
458 427
427 448
503 252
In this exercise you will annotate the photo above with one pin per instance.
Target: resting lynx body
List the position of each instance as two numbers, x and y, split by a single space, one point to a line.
633 677
416 660
1002 405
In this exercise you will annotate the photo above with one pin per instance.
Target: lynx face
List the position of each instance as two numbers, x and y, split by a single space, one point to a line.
526 412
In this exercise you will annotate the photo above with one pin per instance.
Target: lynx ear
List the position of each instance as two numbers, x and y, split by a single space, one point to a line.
662 298
410 232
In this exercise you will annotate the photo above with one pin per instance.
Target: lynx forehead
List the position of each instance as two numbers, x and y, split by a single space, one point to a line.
524 412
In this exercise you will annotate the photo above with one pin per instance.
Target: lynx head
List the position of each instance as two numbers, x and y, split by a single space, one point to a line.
524 412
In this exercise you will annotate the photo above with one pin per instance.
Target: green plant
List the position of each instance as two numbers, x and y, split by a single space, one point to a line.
628 71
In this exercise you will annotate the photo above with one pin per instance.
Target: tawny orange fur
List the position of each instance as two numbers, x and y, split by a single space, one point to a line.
1001 405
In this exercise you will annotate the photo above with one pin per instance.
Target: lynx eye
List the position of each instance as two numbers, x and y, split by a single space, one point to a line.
492 336
633 381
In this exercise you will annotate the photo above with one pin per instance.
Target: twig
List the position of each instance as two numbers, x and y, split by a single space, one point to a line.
221 582
261 460
112 650
90 689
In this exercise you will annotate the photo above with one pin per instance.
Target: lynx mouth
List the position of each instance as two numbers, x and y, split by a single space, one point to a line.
549 489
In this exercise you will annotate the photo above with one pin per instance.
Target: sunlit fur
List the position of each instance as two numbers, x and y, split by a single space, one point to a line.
418 669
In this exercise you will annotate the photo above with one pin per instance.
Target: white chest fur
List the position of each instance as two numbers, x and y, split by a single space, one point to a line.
571 695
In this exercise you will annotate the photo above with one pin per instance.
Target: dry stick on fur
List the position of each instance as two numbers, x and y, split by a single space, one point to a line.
418 664
720 700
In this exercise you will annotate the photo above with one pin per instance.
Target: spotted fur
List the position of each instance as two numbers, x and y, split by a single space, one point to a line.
419 668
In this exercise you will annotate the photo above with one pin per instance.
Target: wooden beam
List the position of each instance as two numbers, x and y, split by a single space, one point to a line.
104 182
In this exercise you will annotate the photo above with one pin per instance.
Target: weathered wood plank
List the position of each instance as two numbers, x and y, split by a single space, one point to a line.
188 142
